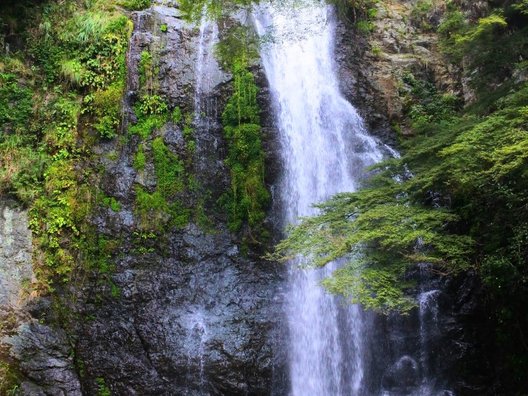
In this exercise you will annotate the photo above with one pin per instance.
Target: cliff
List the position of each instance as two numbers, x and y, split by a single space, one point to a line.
124 272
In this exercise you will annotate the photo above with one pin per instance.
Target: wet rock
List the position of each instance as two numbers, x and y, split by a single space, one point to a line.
46 360
402 376
193 316
200 321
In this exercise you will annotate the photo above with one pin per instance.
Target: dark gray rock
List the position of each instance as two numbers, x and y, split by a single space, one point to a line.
402 376
46 360
194 316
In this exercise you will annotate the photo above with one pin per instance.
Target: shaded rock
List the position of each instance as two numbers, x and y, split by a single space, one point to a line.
45 359
402 376
15 253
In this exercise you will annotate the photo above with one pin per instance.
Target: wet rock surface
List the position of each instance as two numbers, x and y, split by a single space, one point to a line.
442 347
46 359
195 315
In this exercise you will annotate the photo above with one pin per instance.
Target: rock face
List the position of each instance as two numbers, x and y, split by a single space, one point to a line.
372 64
41 352
15 254
46 360
189 311
442 347
194 315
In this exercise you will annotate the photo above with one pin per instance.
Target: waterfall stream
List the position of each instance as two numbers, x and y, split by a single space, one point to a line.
205 70
325 148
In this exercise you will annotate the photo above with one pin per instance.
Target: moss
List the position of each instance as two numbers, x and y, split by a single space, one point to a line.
147 125
170 171
135 5
15 104
106 107
162 207
188 135
147 72
248 199
140 159
9 380
102 388
177 115
155 213
152 112
112 203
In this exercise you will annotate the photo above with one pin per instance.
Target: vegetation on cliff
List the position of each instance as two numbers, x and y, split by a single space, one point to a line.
63 77
248 198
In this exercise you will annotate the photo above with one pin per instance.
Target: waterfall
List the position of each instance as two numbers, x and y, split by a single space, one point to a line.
325 148
205 70
197 337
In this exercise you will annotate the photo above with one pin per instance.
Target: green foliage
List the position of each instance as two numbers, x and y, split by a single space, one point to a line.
382 235
152 112
9 380
23 167
147 125
361 12
15 104
248 199
364 27
164 28
452 26
522 7
151 105
152 209
188 135
177 116
169 169
162 207
155 212
74 85
112 203
423 103
420 14
134 5
194 9
240 44
140 159
147 72
102 388
490 47
106 107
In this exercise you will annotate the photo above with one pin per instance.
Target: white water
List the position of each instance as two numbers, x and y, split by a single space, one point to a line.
205 70
325 148
197 337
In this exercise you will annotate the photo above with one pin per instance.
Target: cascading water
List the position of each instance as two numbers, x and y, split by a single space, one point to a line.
205 69
325 149
197 336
